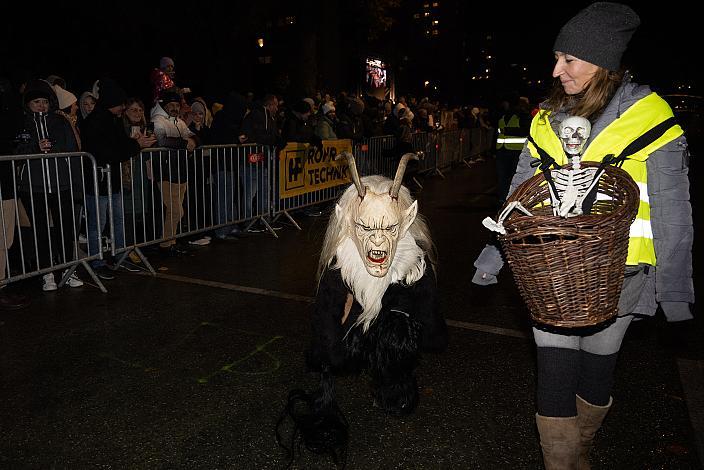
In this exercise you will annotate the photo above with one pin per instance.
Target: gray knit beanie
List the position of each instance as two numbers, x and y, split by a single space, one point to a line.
599 34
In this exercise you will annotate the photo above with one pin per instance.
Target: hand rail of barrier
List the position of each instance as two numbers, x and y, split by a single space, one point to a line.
48 189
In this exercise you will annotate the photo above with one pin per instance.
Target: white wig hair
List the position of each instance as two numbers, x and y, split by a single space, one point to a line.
407 267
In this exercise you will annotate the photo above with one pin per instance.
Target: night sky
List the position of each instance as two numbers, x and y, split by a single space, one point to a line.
214 44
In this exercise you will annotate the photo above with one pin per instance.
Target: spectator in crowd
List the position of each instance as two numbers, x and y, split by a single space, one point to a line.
46 186
327 122
170 170
86 104
422 122
513 127
105 138
259 126
296 126
68 108
227 122
163 79
10 121
137 196
392 124
199 171
227 129
313 111
199 122
350 124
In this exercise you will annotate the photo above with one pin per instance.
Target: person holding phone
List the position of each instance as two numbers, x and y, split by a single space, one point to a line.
45 184
104 136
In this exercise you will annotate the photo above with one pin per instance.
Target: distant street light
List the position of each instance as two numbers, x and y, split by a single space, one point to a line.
426 83
260 41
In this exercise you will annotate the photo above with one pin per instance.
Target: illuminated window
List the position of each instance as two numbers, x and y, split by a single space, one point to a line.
435 22
435 32
426 13
291 19
436 4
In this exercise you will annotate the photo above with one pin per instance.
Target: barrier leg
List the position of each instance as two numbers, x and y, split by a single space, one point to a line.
90 271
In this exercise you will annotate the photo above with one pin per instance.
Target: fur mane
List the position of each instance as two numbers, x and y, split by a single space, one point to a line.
407 267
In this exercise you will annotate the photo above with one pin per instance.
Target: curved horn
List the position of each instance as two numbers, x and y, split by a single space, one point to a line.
361 190
398 179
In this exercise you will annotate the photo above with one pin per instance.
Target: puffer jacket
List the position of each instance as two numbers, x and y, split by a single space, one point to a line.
43 173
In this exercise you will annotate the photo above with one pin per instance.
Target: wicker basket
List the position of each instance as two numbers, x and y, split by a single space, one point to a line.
570 270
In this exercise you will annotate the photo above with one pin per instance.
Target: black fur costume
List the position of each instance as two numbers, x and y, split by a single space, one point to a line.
407 324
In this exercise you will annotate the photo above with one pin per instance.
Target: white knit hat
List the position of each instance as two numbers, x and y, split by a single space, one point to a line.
328 107
66 98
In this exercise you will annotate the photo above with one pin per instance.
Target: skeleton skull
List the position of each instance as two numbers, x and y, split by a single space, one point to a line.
379 224
574 133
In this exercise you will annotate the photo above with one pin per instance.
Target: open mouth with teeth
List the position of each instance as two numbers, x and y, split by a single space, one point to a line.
376 256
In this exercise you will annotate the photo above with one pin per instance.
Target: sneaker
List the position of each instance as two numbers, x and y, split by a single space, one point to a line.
82 239
48 282
104 273
134 257
127 266
73 280
201 241
228 236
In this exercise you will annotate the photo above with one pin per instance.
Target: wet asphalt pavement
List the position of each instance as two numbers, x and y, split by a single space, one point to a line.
191 368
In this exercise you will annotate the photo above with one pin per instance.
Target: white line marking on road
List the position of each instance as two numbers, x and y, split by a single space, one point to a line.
304 298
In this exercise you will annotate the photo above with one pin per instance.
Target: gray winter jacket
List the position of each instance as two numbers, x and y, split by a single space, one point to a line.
644 287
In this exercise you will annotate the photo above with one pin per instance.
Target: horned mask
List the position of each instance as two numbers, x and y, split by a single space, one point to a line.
377 220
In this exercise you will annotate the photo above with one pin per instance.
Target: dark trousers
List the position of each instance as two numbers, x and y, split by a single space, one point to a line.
50 245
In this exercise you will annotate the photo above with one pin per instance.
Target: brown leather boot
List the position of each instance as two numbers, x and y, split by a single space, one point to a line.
589 419
559 439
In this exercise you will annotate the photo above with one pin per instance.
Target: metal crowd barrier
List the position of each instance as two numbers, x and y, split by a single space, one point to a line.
165 194
168 194
51 196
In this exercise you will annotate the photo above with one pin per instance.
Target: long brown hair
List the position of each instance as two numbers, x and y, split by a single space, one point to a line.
591 101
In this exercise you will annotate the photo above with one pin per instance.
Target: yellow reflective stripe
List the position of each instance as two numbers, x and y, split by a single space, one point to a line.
641 250
512 140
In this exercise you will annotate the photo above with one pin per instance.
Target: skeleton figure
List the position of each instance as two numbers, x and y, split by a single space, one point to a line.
571 186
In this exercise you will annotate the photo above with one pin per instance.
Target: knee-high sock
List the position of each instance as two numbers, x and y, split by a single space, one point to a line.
558 372
596 377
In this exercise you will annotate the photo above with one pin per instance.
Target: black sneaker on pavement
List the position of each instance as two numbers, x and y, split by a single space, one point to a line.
104 273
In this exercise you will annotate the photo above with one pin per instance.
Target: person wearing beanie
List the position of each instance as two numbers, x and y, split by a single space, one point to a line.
632 123
68 108
45 186
325 126
104 137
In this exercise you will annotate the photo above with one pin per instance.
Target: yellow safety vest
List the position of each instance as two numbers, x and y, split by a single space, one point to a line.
509 142
634 122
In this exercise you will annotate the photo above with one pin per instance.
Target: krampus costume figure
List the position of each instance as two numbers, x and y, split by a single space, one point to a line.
376 307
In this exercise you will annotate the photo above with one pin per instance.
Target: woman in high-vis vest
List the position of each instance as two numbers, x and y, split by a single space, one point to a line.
575 372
